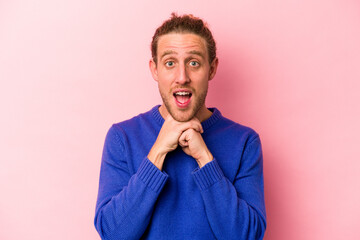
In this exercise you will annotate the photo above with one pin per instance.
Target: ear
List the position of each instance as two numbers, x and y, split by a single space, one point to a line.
153 69
213 68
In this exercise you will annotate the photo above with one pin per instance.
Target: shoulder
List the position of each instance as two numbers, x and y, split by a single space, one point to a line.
138 127
135 122
236 130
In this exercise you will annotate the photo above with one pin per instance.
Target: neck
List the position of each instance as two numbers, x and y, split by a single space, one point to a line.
203 113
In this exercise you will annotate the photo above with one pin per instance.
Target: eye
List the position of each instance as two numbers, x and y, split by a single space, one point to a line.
169 63
194 63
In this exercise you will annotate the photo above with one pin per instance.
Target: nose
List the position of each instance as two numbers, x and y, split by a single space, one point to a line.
182 76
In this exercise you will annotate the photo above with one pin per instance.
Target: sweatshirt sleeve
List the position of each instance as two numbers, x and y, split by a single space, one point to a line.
125 202
235 210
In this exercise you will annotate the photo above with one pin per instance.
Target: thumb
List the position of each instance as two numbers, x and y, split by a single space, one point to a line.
186 150
184 139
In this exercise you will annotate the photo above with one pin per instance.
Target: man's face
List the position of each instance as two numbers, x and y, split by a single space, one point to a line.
183 72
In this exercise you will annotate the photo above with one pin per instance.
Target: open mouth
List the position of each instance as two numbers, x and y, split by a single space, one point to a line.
182 97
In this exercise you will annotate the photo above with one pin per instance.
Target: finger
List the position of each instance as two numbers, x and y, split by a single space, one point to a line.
197 126
186 150
192 124
183 144
183 126
183 140
196 121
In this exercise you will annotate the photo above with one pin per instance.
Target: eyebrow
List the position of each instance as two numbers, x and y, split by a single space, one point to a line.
197 53
169 52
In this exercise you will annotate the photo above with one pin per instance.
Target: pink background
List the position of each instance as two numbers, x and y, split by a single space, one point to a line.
69 69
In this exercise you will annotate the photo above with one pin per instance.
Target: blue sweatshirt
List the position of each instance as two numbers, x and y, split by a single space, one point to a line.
222 200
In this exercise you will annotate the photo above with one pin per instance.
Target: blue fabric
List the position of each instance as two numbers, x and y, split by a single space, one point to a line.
222 200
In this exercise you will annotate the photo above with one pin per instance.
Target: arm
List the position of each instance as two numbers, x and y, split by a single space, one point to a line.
125 202
235 210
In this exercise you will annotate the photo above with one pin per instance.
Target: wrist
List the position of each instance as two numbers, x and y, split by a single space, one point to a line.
156 157
205 158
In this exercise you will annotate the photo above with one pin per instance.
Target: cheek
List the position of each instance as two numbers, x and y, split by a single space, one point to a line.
164 85
200 78
166 76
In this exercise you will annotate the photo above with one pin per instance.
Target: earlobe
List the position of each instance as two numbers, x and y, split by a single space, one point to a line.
213 68
153 69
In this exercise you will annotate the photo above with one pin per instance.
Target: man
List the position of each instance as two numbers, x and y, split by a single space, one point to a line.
181 170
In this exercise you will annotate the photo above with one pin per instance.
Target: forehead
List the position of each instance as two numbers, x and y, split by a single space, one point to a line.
181 43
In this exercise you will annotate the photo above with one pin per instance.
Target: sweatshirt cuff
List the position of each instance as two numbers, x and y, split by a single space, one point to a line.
209 174
151 175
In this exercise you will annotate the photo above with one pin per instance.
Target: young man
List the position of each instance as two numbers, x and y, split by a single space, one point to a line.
181 170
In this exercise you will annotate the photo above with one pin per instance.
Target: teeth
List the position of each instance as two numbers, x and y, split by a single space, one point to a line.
182 93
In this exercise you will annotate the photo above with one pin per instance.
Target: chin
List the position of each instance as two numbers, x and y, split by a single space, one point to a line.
181 118
181 115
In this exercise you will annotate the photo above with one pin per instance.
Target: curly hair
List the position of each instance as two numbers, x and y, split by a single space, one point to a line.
184 24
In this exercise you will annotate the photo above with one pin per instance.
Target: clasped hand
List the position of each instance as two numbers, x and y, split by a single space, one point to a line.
185 134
